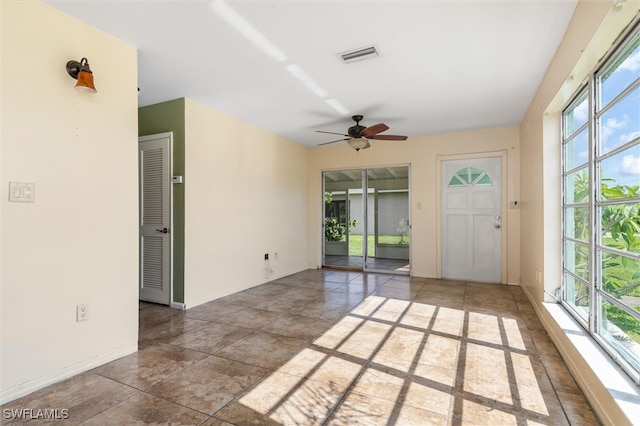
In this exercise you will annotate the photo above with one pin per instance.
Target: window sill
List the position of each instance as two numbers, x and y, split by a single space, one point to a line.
624 392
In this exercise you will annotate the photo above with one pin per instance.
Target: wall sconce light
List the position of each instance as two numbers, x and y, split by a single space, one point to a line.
81 72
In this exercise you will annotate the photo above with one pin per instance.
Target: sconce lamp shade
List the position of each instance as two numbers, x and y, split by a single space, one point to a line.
81 72
358 143
85 82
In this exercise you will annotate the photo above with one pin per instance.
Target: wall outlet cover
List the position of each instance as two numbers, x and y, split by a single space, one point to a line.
82 312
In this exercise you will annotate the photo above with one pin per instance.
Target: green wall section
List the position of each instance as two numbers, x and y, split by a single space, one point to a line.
169 117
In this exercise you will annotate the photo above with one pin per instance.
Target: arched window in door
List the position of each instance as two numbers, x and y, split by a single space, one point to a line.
470 176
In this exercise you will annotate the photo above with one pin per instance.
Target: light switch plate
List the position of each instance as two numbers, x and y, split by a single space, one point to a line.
22 192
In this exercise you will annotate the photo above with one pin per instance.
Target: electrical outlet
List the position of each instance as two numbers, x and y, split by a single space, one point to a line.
82 312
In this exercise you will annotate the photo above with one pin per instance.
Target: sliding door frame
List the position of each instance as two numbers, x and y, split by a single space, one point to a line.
364 218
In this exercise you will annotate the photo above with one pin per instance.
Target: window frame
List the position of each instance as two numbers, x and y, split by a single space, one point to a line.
595 202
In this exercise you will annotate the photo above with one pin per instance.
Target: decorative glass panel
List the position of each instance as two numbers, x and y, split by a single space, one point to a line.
455 181
470 176
463 175
475 173
484 180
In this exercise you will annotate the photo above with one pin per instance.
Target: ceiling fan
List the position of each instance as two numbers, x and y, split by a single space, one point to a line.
358 136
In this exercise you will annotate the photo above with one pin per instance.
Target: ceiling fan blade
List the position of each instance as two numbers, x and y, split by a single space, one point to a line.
331 133
339 140
388 137
374 130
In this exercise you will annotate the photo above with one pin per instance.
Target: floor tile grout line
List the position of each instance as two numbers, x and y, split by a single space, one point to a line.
308 375
533 334
374 312
405 386
511 377
364 367
458 381
257 381
137 391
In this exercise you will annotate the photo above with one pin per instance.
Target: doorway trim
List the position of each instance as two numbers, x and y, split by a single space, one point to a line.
503 206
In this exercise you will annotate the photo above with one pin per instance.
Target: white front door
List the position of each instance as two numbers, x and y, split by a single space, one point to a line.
472 219
155 218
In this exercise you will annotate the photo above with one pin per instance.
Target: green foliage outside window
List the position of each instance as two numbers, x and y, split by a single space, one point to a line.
335 231
620 230
335 222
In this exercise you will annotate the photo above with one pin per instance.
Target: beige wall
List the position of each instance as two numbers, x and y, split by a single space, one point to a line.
245 195
593 28
422 153
249 193
78 242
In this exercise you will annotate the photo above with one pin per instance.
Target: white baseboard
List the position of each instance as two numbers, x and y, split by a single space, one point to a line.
178 305
64 373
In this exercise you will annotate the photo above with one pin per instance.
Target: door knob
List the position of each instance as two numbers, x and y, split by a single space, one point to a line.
163 230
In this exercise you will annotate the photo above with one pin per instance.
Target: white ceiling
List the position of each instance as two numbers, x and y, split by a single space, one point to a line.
444 66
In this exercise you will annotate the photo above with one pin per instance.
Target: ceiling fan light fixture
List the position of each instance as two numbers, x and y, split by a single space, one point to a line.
358 136
358 143
359 54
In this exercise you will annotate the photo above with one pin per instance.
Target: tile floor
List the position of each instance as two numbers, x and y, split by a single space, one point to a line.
373 263
335 348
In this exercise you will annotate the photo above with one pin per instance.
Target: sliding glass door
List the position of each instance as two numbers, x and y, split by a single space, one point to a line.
341 216
366 219
388 224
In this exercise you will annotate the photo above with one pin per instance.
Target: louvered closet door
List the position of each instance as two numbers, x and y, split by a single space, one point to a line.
155 218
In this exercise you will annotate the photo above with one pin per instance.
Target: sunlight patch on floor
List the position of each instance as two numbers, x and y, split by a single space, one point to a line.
514 337
402 359
368 306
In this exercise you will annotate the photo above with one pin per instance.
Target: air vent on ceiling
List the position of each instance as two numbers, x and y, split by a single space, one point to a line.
359 54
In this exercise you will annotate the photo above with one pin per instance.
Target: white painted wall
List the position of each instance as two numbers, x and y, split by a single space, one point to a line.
245 195
422 154
592 30
78 242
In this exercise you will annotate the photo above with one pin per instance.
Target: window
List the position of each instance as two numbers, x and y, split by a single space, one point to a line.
470 176
601 204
